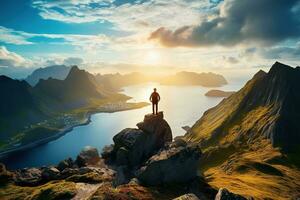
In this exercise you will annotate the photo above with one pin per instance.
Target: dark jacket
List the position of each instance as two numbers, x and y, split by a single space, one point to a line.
154 98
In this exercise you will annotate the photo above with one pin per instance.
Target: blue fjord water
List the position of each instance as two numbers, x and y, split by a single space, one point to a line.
182 105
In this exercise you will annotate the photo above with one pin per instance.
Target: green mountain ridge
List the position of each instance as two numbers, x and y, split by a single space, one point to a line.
266 107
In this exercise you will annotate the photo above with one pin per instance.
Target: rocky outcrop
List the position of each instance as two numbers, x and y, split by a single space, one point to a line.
175 164
28 177
50 173
187 197
224 194
134 146
67 163
88 156
139 158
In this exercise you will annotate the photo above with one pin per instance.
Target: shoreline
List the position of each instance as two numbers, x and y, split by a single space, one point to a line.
66 130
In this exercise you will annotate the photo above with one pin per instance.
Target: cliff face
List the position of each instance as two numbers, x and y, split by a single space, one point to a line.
266 107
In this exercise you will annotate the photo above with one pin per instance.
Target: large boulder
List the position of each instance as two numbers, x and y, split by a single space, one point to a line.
224 194
156 125
50 173
88 156
134 146
28 176
171 165
67 163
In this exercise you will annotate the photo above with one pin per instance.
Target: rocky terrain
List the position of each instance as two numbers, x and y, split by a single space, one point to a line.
143 163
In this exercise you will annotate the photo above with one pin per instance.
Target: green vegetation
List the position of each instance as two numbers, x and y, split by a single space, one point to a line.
55 190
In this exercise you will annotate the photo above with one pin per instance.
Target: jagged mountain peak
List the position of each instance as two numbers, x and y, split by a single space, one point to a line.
266 107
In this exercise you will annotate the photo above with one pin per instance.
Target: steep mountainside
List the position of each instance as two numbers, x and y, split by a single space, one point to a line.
17 104
76 90
266 107
56 72
251 139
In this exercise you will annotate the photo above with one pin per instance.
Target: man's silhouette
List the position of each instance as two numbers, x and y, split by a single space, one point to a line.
154 98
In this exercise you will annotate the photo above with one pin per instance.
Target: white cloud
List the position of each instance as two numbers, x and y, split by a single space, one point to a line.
128 16
13 37
8 58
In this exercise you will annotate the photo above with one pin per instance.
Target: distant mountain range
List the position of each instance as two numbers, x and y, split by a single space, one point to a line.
59 72
117 81
192 78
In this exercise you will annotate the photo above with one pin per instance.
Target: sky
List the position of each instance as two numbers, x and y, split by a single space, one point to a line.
231 37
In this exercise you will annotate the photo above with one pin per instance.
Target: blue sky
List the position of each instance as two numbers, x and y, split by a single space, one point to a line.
137 35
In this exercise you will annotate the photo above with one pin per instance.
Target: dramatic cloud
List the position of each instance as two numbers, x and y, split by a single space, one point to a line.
279 52
126 15
239 21
8 59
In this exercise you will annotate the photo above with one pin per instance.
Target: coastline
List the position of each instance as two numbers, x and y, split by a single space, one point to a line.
70 128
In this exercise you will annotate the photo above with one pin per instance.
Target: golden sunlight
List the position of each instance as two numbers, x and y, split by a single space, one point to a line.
152 57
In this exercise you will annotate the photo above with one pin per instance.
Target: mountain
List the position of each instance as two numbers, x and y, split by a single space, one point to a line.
56 72
15 72
117 81
75 91
266 107
251 139
193 78
17 104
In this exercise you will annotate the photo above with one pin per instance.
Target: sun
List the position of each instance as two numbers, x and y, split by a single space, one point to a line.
152 57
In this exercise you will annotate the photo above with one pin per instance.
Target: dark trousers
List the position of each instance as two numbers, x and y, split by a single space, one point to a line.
154 104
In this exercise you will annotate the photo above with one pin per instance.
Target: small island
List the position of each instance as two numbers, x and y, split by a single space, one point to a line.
218 93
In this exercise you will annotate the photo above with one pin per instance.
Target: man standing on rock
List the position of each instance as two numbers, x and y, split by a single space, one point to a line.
154 98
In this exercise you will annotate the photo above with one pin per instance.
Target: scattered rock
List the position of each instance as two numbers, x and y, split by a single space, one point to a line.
67 163
28 177
187 197
50 173
172 165
107 151
224 194
179 142
69 172
88 156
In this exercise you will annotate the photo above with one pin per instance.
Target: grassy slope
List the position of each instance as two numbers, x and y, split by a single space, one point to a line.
236 154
